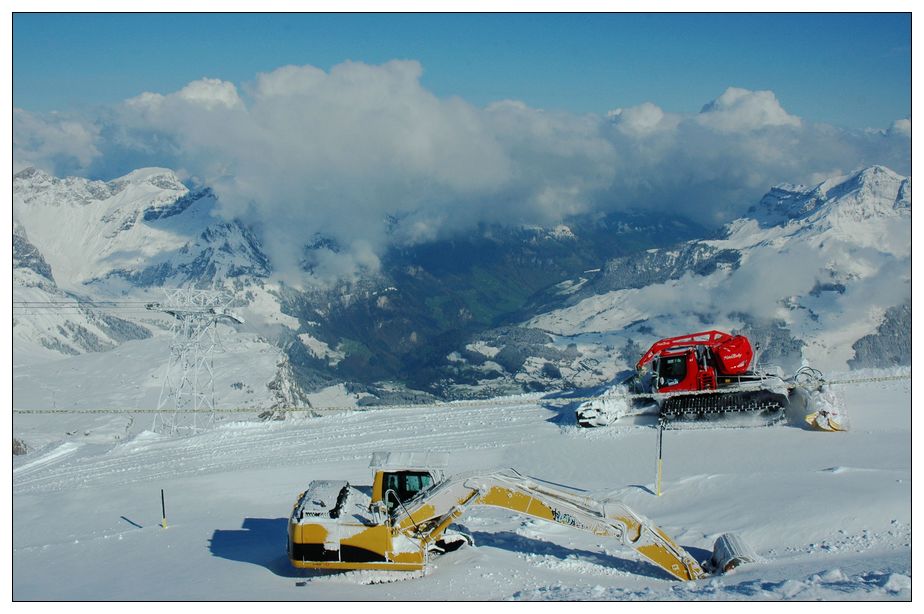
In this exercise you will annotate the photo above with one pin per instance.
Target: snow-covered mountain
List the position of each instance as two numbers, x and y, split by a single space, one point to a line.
88 254
146 228
84 228
863 195
812 273
50 322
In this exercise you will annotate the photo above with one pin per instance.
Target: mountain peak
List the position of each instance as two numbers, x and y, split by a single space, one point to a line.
36 187
162 178
29 172
871 177
876 184
878 172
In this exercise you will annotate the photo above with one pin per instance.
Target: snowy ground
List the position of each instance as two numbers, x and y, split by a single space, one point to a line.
829 512
129 377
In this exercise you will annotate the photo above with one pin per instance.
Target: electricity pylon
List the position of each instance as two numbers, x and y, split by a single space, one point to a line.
187 393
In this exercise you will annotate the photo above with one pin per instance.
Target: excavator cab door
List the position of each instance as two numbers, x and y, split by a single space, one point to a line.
401 486
391 489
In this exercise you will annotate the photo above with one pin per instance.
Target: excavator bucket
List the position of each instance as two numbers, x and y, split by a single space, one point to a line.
730 551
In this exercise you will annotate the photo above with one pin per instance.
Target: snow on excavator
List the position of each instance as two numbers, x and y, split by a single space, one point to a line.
706 376
404 519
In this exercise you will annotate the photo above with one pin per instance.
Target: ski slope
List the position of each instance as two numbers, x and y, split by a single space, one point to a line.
830 513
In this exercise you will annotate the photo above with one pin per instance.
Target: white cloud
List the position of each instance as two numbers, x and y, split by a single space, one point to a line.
53 142
643 119
303 151
740 110
901 127
211 94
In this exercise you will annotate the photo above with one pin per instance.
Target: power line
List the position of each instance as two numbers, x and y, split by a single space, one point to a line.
78 307
449 405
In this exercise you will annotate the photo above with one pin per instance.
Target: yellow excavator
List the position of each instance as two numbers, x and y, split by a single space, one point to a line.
404 518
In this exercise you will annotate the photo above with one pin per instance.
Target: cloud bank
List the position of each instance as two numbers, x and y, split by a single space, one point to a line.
366 157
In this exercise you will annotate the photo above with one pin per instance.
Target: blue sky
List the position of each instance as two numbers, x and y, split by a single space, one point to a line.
850 70
329 124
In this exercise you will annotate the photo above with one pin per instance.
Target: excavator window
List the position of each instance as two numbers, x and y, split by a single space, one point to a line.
404 485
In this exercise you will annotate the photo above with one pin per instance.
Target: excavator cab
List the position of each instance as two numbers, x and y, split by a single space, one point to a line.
401 486
399 476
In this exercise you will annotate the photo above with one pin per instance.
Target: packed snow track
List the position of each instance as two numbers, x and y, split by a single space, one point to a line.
828 513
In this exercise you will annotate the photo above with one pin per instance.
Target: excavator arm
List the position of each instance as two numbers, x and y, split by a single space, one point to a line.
337 526
425 517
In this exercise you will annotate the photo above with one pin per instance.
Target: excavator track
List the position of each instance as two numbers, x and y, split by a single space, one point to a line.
764 405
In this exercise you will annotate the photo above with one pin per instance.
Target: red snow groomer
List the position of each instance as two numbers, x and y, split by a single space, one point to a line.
701 361
702 376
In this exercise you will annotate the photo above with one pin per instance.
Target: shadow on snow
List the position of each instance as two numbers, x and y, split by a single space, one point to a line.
508 540
262 542
259 541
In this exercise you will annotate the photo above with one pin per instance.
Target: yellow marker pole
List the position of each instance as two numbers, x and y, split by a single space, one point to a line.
660 450
163 510
659 477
